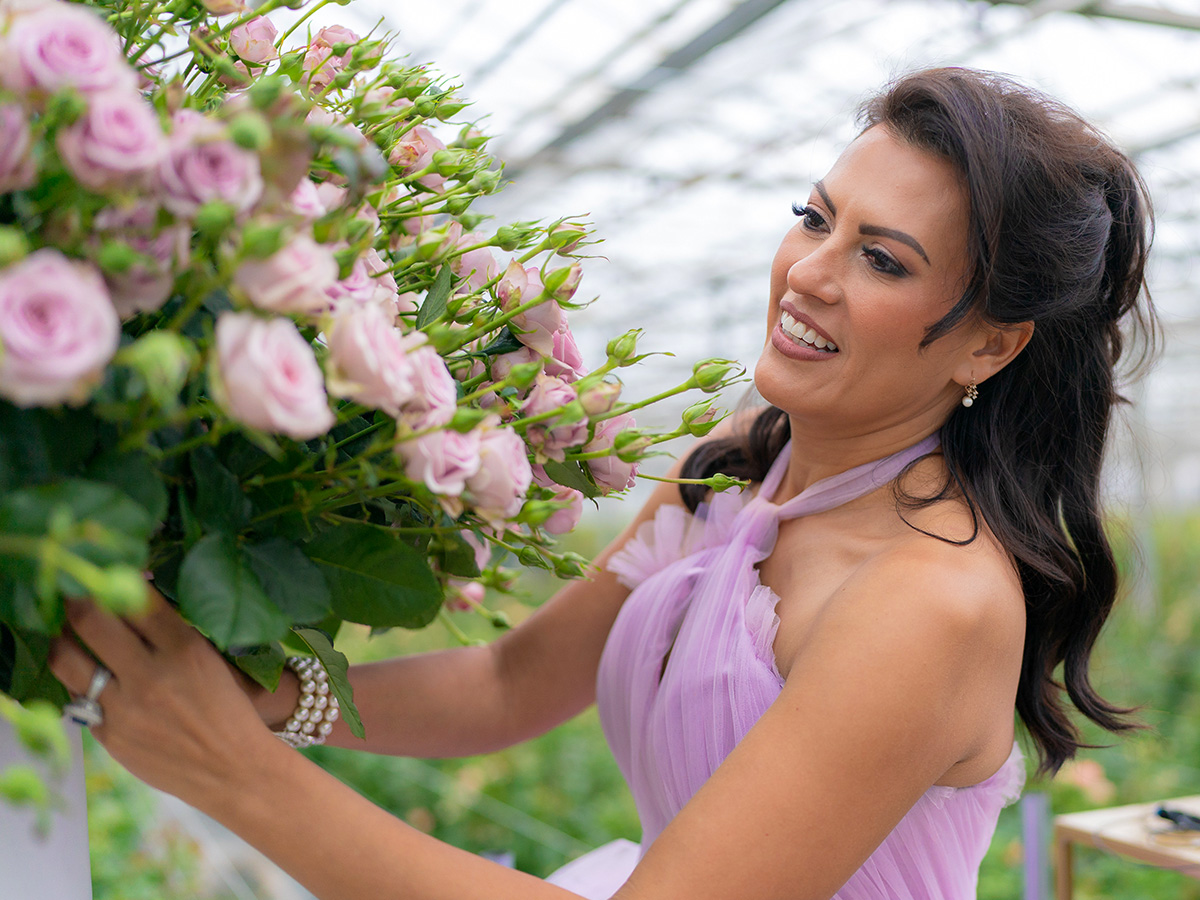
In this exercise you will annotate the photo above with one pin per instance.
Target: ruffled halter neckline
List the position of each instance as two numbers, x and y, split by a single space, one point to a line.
841 488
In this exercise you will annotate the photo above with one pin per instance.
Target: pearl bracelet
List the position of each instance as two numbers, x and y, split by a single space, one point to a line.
317 710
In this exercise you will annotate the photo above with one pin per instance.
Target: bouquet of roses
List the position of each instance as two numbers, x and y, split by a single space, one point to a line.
254 341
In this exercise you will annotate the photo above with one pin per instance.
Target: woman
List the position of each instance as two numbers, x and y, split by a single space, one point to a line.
810 687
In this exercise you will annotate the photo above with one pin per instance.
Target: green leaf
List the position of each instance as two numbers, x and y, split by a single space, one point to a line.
505 342
337 666
221 595
38 445
454 555
573 475
264 664
94 521
221 505
375 577
30 677
136 476
434 306
291 580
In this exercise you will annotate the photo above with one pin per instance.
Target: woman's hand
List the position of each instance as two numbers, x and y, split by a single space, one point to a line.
175 715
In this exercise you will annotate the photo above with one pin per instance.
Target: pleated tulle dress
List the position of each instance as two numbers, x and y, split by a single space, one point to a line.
696 595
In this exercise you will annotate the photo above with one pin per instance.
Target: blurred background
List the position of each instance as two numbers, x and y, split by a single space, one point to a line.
684 129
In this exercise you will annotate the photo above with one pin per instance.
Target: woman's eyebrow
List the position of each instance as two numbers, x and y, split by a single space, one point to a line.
879 231
875 230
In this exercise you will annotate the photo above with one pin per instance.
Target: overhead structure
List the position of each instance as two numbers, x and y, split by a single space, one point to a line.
685 128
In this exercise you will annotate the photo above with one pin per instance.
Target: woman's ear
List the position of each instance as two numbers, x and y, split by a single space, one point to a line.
997 346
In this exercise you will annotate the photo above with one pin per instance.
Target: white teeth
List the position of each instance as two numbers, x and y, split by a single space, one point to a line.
802 332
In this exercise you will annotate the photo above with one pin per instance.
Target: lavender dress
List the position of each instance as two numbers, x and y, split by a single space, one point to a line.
696 594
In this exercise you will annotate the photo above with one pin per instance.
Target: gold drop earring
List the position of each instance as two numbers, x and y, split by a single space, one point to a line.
971 395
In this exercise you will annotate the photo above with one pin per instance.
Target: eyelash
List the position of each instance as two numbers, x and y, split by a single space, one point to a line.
812 220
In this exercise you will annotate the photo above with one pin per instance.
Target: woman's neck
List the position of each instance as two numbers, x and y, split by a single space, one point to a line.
816 455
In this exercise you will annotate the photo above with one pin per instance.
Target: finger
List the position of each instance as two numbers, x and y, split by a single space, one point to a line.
112 640
73 665
161 625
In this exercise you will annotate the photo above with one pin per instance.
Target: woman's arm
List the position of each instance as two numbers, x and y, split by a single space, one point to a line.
881 701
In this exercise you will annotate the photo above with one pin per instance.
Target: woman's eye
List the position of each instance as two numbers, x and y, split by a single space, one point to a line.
810 217
881 262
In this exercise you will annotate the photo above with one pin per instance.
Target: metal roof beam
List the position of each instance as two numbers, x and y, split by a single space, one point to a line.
1110 9
732 24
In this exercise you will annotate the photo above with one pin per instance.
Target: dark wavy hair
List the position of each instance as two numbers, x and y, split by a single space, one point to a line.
1060 227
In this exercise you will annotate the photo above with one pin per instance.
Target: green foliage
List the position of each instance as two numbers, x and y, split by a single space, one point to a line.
375 577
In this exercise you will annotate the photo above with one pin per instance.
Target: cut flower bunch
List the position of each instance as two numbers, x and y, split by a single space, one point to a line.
254 341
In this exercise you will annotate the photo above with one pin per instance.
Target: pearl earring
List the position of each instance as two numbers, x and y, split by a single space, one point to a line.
972 394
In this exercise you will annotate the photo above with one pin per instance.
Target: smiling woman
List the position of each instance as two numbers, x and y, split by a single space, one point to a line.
809 687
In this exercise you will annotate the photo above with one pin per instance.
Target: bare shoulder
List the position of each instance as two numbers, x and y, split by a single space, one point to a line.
957 591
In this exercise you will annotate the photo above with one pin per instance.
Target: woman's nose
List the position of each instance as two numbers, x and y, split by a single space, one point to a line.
817 273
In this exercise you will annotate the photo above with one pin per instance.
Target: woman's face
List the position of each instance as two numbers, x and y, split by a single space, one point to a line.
878 254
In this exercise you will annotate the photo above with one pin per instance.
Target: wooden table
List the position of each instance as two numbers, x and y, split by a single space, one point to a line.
1133 831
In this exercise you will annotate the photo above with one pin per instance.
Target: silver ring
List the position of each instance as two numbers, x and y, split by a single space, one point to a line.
86 711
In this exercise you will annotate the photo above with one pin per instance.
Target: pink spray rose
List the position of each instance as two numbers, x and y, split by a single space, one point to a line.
320 59
477 266
534 327
202 165
369 359
58 329
305 201
549 438
565 519
369 281
498 488
17 168
442 460
611 473
254 41
414 152
63 45
565 360
269 378
292 280
435 395
116 143
147 284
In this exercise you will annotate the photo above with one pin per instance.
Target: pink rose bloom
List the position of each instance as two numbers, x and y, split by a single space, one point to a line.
147 284
17 168
116 143
565 360
254 41
320 59
549 439
224 7
414 152
362 286
408 302
535 327
478 266
498 489
435 395
269 378
63 45
502 365
306 201
58 330
369 359
442 460
565 519
201 165
295 279
611 474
